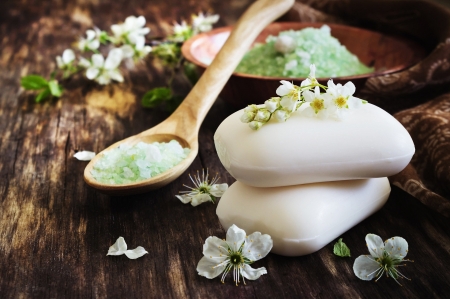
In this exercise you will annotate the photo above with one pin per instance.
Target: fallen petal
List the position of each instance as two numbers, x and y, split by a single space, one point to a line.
136 253
84 155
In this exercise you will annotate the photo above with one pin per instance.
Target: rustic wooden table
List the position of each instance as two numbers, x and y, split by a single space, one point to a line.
55 230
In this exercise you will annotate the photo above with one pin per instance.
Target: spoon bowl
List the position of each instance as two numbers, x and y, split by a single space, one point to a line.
184 124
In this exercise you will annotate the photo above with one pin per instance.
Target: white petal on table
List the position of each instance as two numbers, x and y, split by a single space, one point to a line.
257 246
365 267
375 245
84 155
252 274
118 248
136 253
397 247
235 237
208 268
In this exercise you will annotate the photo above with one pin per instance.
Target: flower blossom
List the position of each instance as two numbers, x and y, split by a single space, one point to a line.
342 98
311 80
66 60
91 42
235 253
318 103
203 191
203 23
290 94
132 31
384 258
103 71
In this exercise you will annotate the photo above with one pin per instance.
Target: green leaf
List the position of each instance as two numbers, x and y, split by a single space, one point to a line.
340 249
33 82
190 70
43 95
156 96
55 89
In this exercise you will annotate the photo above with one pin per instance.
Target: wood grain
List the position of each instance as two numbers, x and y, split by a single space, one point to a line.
55 230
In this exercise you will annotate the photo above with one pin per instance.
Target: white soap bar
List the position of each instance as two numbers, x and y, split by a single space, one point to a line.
368 143
302 219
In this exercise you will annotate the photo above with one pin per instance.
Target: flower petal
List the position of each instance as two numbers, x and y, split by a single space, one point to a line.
127 51
92 73
396 247
348 89
116 75
288 103
136 253
306 82
285 88
252 274
375 245
208 268
235 237
84 62
365 267
114 58
184 198
84 155
308 95
218 190
68 56
90 34
257 246
118 248
215 249
98 60
200 198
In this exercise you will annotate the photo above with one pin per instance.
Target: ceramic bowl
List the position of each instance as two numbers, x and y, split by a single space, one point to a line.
385 53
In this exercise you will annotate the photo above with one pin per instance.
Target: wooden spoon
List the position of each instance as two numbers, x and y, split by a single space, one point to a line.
183 125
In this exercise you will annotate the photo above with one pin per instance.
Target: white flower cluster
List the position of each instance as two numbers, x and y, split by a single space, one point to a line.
129 38
336 102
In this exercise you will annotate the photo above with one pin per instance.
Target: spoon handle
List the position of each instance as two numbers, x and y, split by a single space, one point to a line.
193 109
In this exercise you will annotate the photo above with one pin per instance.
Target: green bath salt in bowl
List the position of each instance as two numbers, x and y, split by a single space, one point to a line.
291 52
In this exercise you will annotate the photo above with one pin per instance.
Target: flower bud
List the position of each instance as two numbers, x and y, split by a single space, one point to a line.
282 115
251 108
272 104
247 117
262 115
255 125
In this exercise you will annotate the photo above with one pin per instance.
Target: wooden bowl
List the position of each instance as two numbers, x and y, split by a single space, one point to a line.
385 53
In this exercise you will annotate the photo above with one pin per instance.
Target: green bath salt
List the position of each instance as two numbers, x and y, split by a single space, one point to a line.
292 52
127 164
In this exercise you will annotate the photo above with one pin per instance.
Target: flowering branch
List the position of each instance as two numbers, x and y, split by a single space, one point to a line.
126 41
335 102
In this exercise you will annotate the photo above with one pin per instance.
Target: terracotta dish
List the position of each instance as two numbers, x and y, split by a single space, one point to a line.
387 54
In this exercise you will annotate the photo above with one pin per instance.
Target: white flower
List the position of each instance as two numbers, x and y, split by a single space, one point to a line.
262 115
130 32
282 115
255 125
137 51
120 247
290 94
342 98
272 104
235 253
203 191
104 71
285 44
91 42
84 155
311 80
248 117
318 103
203 23
384 258
66 60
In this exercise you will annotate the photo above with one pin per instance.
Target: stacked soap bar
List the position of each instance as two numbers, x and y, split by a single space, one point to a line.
308 180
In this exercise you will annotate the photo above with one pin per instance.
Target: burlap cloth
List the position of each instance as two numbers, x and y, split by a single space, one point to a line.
419 97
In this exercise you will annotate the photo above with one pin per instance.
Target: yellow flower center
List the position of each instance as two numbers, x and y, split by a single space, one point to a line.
293 93
341 102
317 105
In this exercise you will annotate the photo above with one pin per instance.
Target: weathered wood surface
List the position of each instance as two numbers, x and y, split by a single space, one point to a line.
55 231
